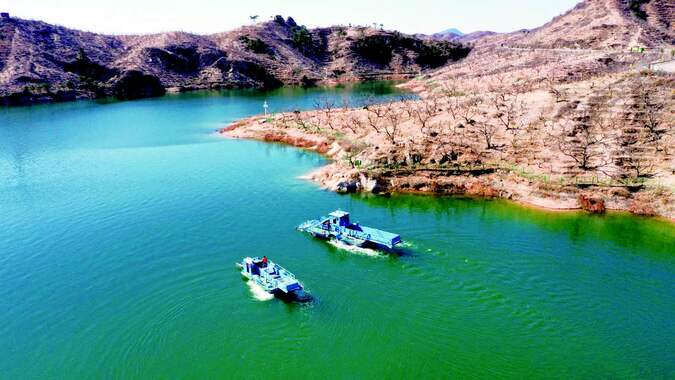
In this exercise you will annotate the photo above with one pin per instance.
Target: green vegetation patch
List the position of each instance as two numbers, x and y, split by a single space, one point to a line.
380 49
256 45
439 53
302 38
635 6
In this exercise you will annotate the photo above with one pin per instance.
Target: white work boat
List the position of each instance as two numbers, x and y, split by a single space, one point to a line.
273 279
337 226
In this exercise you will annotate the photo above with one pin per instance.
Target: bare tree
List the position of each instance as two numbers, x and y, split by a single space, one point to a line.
582 139
558 93
640 132
354 123
649 111
469 110
451 139
450 89
551 81
487 130
508 110
426 109
376 115
300 121
352 150
285 119
634 158
453 107
326 105
394 118
408 103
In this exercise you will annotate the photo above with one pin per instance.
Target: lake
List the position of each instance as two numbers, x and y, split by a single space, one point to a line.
121 223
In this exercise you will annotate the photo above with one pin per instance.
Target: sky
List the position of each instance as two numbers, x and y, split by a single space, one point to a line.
210 16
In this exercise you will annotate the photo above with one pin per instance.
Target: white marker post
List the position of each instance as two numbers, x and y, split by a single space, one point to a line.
265 107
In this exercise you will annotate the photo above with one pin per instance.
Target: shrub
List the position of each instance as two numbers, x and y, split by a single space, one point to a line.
437 54
378 49
302 38
256 45
635 6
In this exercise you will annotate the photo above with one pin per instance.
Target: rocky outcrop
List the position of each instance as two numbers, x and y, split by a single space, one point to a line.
43 62
591 203
347 187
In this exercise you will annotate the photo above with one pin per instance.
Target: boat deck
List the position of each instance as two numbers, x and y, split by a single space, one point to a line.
380 237
339 227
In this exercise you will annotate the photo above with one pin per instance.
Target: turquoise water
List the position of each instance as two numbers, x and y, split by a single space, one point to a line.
120 224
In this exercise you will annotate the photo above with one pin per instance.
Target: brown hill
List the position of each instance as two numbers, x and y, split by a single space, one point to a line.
571 114
596 37
43 62
602 24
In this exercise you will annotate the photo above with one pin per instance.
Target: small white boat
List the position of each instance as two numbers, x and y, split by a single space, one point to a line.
273 279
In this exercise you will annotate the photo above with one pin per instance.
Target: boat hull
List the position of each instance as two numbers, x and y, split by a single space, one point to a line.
299 296
339 227
351 241
274 280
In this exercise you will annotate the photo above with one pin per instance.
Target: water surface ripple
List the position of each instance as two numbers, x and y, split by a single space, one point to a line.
120 224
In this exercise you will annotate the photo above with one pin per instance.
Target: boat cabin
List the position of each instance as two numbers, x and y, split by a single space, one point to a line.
339 218
273 278
254 266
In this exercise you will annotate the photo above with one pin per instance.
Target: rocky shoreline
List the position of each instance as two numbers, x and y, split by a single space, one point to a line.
486 181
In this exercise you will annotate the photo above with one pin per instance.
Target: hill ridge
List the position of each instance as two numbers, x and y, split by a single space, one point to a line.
43 62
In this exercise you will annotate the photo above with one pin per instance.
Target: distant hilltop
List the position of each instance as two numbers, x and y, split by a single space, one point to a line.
455 35
44 62
454 31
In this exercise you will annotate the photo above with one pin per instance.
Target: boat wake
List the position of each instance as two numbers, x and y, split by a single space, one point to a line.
354 249
407 244
257 292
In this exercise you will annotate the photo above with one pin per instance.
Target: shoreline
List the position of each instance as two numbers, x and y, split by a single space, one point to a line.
14 100
331 175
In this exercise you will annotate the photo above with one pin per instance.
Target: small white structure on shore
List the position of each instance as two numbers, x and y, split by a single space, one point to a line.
265 107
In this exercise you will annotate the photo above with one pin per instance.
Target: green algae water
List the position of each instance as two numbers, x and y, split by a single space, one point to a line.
121 223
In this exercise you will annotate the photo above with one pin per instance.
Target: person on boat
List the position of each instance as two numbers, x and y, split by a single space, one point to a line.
264 262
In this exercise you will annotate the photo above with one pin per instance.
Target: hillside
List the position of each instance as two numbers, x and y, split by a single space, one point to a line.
595 38
455 35
603 24
448 34
43 62
572 114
